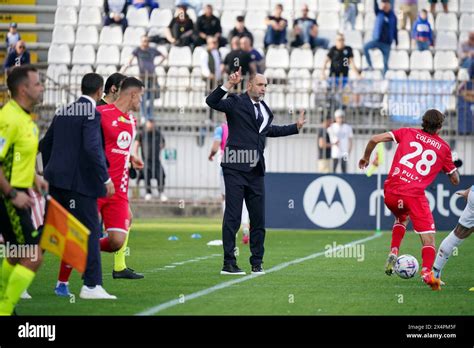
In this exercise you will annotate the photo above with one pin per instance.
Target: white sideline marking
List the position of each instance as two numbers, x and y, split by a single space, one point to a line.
204 292
174 264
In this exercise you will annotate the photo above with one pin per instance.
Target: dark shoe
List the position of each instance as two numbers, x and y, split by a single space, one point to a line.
258 269
127 273
232 270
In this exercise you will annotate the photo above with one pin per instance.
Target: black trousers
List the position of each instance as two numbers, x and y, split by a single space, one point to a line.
85 210
251 187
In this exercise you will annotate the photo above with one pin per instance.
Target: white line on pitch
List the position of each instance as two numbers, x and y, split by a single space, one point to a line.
174 264
204 292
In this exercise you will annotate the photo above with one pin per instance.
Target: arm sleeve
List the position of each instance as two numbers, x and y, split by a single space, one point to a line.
8 134
217 133
398 134
282 131
448 165
91 139
215 101
376 7
46 144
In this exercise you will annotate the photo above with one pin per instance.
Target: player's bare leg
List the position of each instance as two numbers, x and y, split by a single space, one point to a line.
428 252
398 232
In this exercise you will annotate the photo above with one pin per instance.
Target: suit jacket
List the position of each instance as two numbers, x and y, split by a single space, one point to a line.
72 151
243 130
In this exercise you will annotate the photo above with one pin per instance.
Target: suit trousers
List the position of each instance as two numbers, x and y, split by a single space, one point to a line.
250 186
84 209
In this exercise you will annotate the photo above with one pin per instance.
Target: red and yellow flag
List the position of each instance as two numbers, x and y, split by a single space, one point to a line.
65 236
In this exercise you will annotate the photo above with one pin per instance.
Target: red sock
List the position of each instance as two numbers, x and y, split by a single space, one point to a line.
428 254
398 232
105 245
64 272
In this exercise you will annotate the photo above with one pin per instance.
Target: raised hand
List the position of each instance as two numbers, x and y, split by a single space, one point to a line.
301 120
235 77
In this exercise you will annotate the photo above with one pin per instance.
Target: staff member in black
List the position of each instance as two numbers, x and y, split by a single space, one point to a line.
250 121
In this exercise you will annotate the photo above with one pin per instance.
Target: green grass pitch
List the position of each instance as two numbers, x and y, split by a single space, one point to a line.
316 286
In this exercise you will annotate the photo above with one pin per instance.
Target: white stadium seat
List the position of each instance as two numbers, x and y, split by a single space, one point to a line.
277 58
111 35
419 75
59 54
466 22
197 54
77 73
445 60
83 55
90 16
446 21
63 34
66 3
287 5
301 58
403 40
56 74
396 75
180 56
216 4
161 18
234 4
133 35
377 59
137 17
421 60
399 60
446 75
258 38
299 79
357 59
228 20
463 75
320 57
108 55
65 16
92 3
87 35
125 54
255 20
353 38
329 21
369 20
328 6
106 70
446 40
261 5
466 6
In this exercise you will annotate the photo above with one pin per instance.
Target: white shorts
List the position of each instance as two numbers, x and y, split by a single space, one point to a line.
467 216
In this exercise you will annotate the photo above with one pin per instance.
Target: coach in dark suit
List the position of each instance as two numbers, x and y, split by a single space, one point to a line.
75 166
250 121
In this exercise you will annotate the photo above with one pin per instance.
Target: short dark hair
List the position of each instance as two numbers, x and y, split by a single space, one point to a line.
424 11
91 83
17 76
432 121
114 80
240 19
131 82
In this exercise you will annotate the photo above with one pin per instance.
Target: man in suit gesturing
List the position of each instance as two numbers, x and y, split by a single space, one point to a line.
249 121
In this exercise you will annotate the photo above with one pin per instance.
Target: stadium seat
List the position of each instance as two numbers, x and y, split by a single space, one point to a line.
353 39
377 59
466 6
369 20
178 77
132 36
446 75
277 58
445 60
228 20
111 35
77 72
312 4
108 55
132 70
396 75
59 54
180 56
419 75
255 20
87 35
372 75
234 5
125 54
320 57
224 51
463 75
453 6
359 24
197 54
258 38
403 40
160 18
399 60
65 16
466 22
63 34
261 5
446 22
446 40
57 76
299 79
328 6
357 59
196 79
66 3
83 54
161 75
106 70
287 6
328 21
92 3
90 16
301 58
192 14
216 4
421 60
328 34
137 17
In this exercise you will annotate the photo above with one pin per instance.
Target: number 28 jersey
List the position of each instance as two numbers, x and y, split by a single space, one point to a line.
420 156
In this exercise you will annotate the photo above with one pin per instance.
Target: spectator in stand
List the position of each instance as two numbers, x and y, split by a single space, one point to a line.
341 58
209 25
211 64
150 4
180 30
238 58
422 33
324 147
256 58
12 37
116 12
240 30
341 136
433 5
385 32
408 12
350 13
466 51
306 32
18 56
276 28
145 56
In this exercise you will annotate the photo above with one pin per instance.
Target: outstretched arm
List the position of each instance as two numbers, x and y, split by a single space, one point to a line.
378 138
214 100
282 131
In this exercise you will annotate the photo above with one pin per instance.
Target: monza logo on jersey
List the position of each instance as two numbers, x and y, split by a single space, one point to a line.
329 201
124 140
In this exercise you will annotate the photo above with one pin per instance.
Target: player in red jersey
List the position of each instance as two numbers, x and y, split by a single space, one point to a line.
119 129
420 156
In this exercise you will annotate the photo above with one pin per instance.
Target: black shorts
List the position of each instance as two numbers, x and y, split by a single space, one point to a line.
16 225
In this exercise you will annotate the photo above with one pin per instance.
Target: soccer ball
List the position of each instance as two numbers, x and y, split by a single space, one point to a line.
406 266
